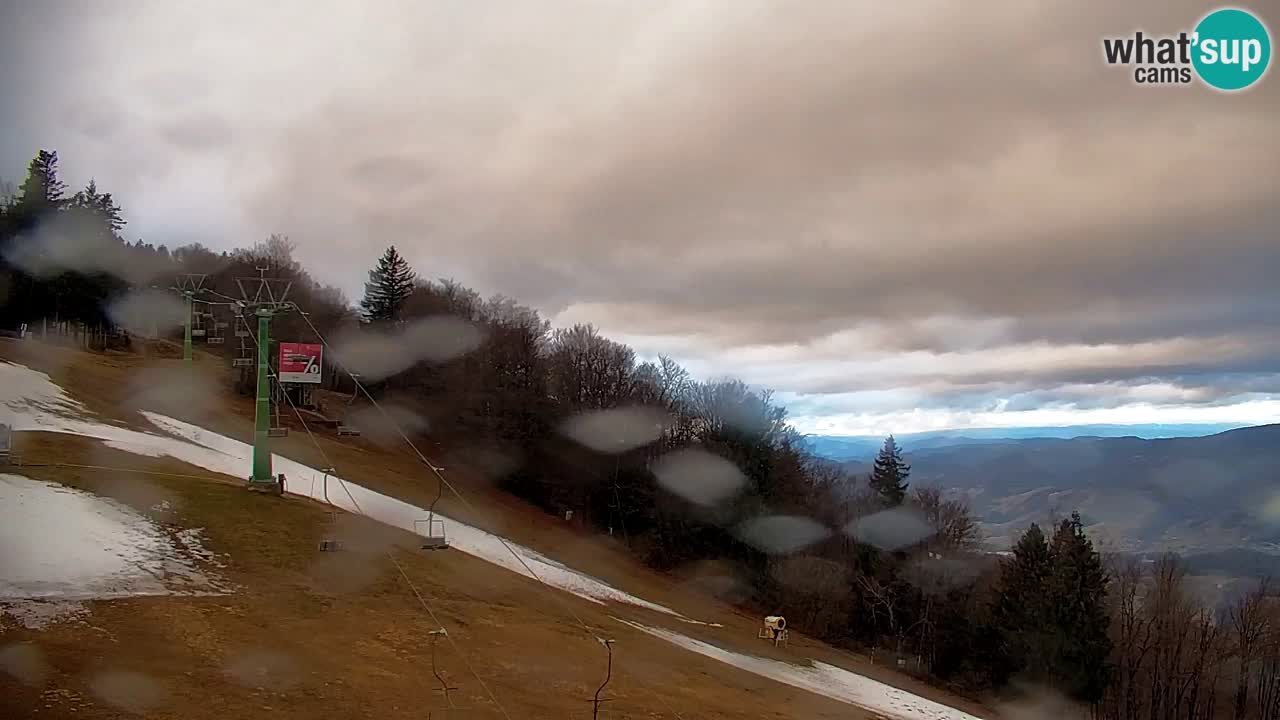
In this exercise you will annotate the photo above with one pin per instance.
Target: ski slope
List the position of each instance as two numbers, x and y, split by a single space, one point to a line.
36 403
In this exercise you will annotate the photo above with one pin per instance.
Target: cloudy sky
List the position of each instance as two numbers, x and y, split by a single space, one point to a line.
900 216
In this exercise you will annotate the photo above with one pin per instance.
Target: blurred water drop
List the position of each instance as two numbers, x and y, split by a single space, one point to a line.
25 662
616 430
716 578
378 354
342 573
1270 510
782 534
891 529
809 574
384 426
150 313
490 461
136 490
357 564
172 390
261 667
699 476
936 573
363 536
129 691
442 338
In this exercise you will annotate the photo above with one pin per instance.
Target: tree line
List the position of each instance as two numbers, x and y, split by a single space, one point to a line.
704 479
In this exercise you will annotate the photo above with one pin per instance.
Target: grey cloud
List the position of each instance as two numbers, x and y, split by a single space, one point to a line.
197 130
767 188
934 178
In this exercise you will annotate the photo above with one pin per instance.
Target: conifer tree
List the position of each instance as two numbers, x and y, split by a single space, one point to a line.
889 476
1077 589
101 207
390 285
1021 616
42 190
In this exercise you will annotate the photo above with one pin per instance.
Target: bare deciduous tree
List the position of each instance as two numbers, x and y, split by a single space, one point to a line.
950 518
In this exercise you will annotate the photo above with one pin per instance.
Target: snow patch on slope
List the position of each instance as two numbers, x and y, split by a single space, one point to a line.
37 403
822 679
60 546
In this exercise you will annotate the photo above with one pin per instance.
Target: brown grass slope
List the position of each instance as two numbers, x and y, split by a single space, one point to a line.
338 635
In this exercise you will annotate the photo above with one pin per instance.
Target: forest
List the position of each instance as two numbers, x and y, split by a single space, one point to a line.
701 478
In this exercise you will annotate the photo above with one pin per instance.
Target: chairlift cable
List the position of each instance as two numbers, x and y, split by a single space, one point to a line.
421 600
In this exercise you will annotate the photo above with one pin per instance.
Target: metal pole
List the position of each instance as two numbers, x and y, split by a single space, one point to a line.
595 703
186 342
262 412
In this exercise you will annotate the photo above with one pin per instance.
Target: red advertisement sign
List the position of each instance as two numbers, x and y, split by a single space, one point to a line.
300 362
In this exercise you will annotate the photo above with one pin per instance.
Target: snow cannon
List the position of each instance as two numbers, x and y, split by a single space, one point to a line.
775 629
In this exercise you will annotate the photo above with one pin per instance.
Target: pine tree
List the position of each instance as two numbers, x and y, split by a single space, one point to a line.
101 206
1078 588
889 476
42 190
1021 614
390 285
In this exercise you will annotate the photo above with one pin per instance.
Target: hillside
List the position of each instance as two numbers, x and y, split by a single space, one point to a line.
1194 494
864 447
273 627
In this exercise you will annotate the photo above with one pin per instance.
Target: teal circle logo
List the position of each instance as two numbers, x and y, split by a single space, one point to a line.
1231 50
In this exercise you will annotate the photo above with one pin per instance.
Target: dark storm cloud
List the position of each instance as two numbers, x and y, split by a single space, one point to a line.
958 202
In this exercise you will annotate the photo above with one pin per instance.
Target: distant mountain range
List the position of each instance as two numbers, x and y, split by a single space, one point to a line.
860 447
1211 494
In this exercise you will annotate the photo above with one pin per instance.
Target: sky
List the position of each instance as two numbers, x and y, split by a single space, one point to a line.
897 216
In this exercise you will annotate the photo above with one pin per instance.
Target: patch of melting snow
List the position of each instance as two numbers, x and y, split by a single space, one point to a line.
38 403
60 546
822 679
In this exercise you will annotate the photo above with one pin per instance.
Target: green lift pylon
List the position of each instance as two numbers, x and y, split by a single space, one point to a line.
188 285
267 300
262 477
186 327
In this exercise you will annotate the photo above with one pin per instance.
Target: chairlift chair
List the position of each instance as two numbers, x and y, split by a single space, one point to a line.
343 427
197 324
330 544
433 539
277 429
246 353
